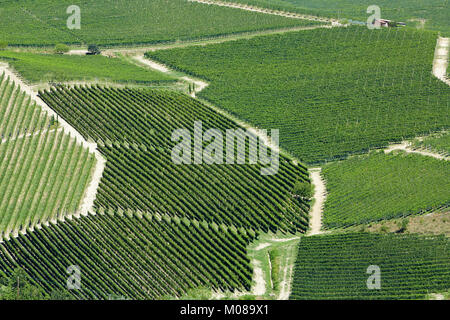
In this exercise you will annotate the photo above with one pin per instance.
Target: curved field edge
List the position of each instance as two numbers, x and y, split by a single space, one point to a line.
379 186
293 87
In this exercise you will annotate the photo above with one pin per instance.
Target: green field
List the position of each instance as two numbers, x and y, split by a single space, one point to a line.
120 22
131 257
439 143
436 13
18 115
329 92
56 68
135 128
334 266
41 177
380 186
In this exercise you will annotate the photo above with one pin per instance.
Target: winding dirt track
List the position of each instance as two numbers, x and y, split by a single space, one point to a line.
406 146
440 62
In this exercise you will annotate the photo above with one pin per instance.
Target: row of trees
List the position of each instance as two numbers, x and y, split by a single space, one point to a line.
62 48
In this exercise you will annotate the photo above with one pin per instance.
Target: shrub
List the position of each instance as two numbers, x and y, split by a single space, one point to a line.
302 189
61 48
403 226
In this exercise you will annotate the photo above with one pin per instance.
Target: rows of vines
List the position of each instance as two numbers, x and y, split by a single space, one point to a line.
137 257
134 129
18 115
127 22
42 177
336 266
331 92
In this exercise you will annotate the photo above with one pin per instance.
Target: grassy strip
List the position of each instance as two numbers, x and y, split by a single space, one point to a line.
60 68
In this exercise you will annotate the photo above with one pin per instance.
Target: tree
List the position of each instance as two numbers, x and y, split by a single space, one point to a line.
61 48
93 49
302 189
403 226
18 287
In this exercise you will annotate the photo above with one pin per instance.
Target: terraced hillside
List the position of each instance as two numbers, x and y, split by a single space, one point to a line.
331 92
44 22
378 186
131 256
135 128
334 266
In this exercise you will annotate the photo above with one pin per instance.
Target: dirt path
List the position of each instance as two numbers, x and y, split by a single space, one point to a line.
77 52
288 272
440 62
259 288
140 50
436 296
406 146
198 85
270 271
266 11
284 240
262 246
152 64
91 192
34 96
319 196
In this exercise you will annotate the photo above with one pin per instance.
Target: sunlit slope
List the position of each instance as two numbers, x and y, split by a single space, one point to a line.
120 22
331 92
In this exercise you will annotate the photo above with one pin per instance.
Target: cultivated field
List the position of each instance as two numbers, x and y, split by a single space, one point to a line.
43 22
37 68
18 115
43 177
421 14
380 186
331 92
135 127
130 256
206 149
334 266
